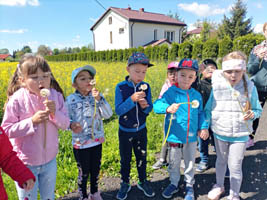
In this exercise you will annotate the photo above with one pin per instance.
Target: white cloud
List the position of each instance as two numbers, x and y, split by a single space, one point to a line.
76 39
92 19
191 27
18 31
259 5
19 2
258 28
202 10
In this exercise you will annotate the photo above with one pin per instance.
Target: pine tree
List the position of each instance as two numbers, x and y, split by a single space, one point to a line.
236 25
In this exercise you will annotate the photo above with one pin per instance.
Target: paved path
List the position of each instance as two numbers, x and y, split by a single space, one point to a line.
254 186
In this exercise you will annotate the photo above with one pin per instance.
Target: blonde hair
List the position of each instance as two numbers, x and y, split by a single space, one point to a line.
235 55
242 56
264 26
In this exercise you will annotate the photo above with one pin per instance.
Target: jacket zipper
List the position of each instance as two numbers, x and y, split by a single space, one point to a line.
136 106
188 120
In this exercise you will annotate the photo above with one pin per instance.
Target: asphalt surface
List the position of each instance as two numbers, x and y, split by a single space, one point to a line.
254 185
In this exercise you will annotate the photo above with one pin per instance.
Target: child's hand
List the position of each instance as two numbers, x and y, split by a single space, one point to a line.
173 108
40 116
138 96
203 134
76 127
28 185
249 115
143 103
50 106
96 94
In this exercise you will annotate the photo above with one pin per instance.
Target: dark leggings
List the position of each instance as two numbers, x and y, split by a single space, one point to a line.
262 99
88 163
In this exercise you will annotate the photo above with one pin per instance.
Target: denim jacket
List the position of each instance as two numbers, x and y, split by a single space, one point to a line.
89 113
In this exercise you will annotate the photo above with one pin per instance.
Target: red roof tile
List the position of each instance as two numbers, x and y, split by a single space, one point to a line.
4 56
142 16
157 42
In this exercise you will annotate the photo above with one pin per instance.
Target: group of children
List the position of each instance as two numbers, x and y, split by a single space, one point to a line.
31 121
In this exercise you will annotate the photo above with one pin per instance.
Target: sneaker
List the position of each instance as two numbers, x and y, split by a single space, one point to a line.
201 167
189 193
159 164
250 143
169 191
145 187
96 196
215 192
231 197
125 188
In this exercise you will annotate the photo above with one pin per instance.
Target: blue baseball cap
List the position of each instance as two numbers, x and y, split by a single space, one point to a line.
187 63
84 68
139 57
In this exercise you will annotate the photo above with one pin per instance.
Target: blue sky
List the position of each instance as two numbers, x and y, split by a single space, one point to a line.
67 23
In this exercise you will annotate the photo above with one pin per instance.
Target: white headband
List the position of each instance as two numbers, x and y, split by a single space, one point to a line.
234 64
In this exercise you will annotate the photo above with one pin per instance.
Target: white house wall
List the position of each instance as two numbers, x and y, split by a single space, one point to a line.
102 33
144 32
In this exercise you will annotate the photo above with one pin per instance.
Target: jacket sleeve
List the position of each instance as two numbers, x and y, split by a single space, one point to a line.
208 108
255 103
104 108
122 107
61 118
253 64
202 123
13 125
11 164
160 105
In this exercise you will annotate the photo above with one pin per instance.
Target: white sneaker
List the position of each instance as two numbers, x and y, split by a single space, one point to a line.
215 192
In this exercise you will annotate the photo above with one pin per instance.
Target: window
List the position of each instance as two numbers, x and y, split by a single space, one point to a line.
110 37
169 35
121 30
110 20
155 34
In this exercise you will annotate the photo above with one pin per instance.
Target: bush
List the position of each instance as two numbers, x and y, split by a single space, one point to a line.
173 52
197 50
210 49
148 52
225 46
163 52
244 43
185 50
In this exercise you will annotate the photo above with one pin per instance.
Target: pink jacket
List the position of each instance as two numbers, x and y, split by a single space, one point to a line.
164 88
28 139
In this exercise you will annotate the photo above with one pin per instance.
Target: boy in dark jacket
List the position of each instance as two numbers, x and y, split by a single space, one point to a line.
204 87
13 166
133 104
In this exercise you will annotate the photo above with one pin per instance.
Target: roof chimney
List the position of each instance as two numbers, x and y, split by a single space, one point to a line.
129 8
141 9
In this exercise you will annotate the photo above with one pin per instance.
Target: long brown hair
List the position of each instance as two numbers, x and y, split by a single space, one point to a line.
29 64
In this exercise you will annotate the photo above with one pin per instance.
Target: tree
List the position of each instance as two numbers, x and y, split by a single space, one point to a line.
44 50
26 49
177 17
236 25
4 51
56 51
205 32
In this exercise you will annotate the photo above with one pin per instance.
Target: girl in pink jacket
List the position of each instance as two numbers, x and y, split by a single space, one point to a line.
31 121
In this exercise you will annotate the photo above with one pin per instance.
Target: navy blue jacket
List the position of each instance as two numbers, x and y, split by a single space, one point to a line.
132 117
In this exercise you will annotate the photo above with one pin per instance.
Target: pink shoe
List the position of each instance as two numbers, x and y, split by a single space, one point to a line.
250 143
231 197
215 192
96 196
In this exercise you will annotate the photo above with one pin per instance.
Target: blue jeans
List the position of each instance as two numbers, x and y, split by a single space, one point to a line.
45 176
203 147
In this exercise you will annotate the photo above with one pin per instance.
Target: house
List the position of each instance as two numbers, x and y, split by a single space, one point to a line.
196 32
3 57
121 28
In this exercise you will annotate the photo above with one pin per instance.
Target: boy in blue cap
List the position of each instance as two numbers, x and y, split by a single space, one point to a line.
133 104
185 120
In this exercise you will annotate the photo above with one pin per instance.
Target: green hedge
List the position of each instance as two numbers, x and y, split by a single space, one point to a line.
212 48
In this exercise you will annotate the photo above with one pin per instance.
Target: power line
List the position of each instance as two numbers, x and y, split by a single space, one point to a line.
100 4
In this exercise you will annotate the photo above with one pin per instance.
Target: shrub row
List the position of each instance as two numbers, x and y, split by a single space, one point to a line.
212 48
